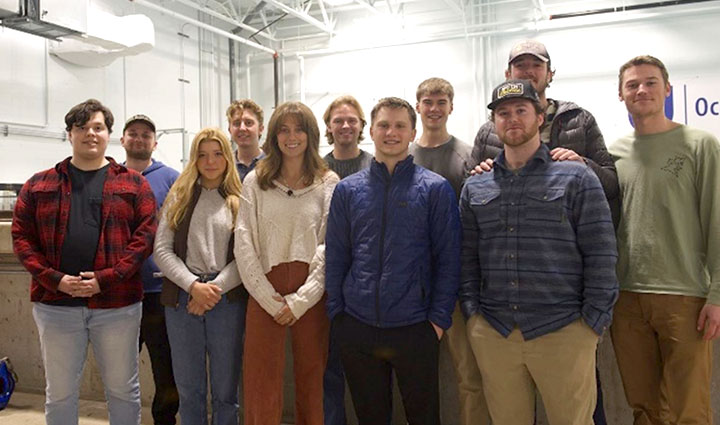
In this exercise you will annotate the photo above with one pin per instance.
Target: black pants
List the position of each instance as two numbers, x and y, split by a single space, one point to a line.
154 334
370 354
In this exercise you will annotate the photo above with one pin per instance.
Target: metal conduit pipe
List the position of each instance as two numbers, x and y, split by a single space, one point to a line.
301 72
625 8
276 75
247 80
231 66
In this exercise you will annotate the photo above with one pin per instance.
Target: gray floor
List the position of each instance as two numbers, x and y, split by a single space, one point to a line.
27 409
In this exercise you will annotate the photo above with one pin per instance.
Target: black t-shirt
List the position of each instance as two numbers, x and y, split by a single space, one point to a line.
83 229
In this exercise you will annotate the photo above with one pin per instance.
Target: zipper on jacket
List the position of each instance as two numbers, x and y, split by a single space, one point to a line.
381 251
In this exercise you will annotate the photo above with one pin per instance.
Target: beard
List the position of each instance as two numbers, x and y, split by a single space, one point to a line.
519 139
142 155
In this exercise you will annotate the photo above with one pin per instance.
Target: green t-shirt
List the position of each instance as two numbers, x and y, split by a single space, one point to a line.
669 232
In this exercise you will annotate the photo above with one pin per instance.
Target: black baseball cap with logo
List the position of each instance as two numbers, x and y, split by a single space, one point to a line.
140 118
513 89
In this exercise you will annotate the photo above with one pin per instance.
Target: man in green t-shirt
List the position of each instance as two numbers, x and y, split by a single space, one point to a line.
669 255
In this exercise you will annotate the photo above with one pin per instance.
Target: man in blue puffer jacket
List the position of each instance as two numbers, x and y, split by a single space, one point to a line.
392 272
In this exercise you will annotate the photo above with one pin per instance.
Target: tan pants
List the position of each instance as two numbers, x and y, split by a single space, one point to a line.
664 363
264 356
561 365
473 407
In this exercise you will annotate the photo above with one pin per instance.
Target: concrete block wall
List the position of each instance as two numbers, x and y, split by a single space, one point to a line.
19 341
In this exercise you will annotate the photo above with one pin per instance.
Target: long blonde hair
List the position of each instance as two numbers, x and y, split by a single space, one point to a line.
268 168
181 192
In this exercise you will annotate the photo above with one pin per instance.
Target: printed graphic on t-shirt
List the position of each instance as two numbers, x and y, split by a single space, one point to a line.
674 165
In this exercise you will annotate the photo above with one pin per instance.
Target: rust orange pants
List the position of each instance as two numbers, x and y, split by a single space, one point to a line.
264 355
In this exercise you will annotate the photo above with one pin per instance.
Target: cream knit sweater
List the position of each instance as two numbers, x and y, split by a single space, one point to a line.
273 228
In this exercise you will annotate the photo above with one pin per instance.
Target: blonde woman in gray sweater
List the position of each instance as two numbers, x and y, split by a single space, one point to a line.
204 302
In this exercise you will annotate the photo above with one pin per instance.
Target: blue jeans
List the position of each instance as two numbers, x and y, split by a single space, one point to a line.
113 334
218 335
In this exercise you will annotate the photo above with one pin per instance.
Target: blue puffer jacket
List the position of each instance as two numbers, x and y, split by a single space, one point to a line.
393 247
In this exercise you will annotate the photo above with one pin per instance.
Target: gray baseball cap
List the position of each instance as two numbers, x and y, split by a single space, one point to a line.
529 47
141 118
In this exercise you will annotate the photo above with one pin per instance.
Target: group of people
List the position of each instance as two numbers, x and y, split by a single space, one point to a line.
508 246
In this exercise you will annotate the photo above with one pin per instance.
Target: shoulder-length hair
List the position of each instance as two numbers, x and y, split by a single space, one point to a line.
268 169
181 192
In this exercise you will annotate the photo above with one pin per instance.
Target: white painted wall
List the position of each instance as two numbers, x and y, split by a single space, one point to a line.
586 58
147 83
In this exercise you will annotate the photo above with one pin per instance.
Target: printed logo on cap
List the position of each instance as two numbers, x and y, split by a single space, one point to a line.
510 89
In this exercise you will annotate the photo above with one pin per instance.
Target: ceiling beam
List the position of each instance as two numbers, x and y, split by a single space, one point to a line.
367 6
225 18
456 7
321 3
300 15
203 25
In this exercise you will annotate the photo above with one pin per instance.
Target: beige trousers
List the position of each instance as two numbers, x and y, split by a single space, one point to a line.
473 407
560 365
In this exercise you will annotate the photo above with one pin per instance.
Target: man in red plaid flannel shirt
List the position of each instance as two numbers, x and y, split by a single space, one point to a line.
82 229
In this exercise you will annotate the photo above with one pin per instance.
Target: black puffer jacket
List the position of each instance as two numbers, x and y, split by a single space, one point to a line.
573 128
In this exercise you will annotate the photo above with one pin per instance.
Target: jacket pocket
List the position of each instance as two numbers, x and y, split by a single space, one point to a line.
545 204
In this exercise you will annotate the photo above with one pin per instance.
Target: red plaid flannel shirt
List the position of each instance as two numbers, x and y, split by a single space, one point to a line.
126 233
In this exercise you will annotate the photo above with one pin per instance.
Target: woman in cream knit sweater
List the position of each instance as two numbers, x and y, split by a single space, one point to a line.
280 252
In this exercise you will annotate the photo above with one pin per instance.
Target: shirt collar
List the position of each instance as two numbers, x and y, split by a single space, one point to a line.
253 162
541 156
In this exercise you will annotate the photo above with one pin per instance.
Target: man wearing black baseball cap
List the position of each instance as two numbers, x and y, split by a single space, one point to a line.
538 270
139 140
569 131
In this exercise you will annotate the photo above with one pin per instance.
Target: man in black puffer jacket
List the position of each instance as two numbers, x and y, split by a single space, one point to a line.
571 132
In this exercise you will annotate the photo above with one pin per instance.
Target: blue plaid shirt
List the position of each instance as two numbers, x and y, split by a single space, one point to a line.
539 247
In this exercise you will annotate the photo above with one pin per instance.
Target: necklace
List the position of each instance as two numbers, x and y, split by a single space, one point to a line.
290 187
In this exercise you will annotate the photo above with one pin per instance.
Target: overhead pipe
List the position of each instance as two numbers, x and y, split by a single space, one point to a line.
628 8
204 26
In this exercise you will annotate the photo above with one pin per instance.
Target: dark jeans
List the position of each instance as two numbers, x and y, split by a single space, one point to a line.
154 334
334 387
370 354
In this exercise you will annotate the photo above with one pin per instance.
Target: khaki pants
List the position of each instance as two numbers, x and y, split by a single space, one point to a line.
561 365
264 355
473 407
664 363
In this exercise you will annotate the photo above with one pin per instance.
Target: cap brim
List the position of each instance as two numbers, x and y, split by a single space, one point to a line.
146 122
539 56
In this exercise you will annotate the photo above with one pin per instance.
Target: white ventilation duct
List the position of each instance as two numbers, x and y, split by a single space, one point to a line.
108 37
